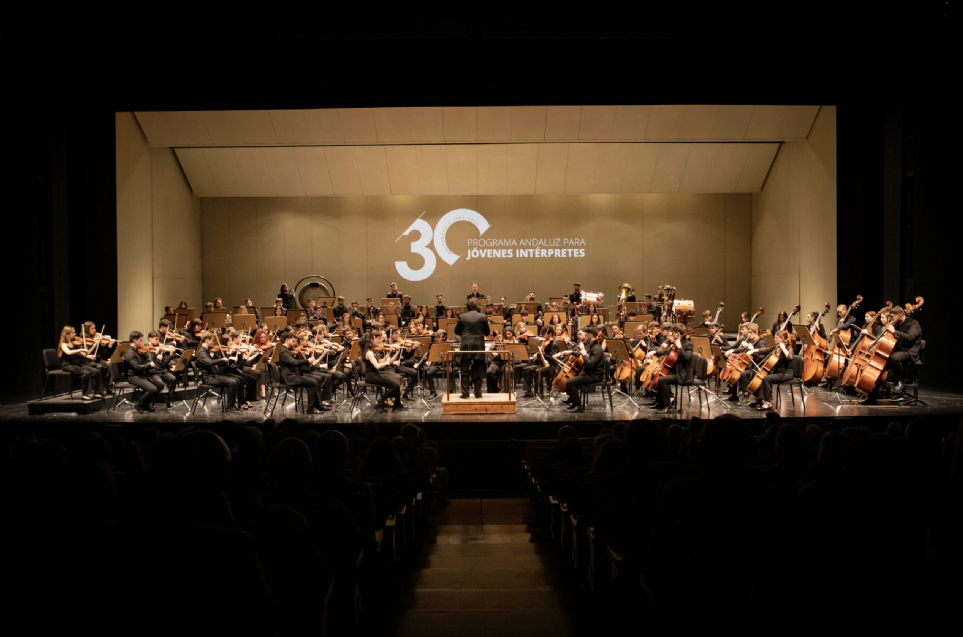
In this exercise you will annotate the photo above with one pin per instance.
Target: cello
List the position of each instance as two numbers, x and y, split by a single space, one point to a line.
627 369
569 369
814 358
837 359
873 358
857 358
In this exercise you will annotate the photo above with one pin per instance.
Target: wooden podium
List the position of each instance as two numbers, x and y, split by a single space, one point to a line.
488 404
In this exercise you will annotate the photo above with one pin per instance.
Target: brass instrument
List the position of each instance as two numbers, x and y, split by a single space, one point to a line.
625 291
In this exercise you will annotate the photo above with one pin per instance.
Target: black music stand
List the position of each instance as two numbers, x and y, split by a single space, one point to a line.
620 352
436 354
534 347
703 347
519 352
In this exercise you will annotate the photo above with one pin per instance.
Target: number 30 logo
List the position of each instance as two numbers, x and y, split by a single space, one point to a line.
441 229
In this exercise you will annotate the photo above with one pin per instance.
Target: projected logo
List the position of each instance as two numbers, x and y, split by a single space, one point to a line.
420 247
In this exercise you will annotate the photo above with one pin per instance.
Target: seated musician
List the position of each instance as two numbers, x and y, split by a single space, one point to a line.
529 369
407 311
746 345
506 311
593 366
556 320
908 336
521 328
164 359
212 367
345 322
650 306
318 370
475 294
437 368
845 321
496 366
394 293
249 304
241 366
780 321
656 336
376 358
279 308
706 318
715 335
348 337
293 367
406 372
102 350
681 372
77 360
738 345
219 305
639 341
315 313
356 311
779 374
339 310
143 372
813 318
537 319
208 307
439 308
169 336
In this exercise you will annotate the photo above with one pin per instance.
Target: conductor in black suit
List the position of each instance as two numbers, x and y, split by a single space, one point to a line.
472 327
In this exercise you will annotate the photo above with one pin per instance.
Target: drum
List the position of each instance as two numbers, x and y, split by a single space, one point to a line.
592 298
684 308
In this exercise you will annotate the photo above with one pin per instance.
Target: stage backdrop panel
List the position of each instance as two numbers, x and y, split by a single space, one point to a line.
697 242
794 225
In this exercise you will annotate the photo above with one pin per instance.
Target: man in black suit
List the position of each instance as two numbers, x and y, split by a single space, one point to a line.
394 294
682 370
440 307
473 328
340 309
593 365
908 336
475 294
291 374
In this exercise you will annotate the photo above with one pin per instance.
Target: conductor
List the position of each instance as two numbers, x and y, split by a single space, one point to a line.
473 328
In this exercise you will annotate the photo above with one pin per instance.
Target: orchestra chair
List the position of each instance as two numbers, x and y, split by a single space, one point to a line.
360 386
700 367
120 387
911 380
796 367
275 382
51 366
202 389
605 384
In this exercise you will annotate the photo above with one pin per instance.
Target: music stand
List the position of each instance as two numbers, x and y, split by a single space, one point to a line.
437 353
720 359
188 311
391 319
519 352
700 331
448 325
276 323
293 316
358 324
702 346
213 319
620 352
118 355
385 302
244 322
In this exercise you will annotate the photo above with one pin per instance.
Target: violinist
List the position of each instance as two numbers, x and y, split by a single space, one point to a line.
404 364
292 364
394 294
329 357
555 320
143 372
169 336
681 371
318 370
656 336
908 336
376 359
779 374
593 366
102 349
163 357
436 368
212 369
241 366
192 339
79 361
529 370
521 328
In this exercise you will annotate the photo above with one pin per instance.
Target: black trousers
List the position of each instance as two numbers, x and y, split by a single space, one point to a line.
765 390
667 386
894 370
472 374
150 387
229 384
493 376
437 370
324 385
247 384
91 382
391 383
312 385
163 379
573 384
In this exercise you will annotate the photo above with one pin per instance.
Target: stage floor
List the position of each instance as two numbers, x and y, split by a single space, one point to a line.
539 420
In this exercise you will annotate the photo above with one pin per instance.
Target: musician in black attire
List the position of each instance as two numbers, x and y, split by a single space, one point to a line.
439 309
339 310
394 294
376 359
715 335
906 351
163 362
287 299
780 321
356 311
407 311
593 366
291 373
473 327
475 294
399 366
538 361
575 298
650 306
237 366
315 313
846 321
495 369
780 372
211 370
436 368
79 361
371 310
682 370
506 311
142 372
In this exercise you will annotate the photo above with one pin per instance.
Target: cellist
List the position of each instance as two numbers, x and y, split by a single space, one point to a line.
906 351
779 374
593 365
681 371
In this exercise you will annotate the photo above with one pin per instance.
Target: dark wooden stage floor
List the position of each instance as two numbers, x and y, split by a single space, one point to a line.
530 421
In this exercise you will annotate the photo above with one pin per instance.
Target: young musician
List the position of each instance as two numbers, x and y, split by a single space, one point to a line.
219 305
318 370
436 368
101 350
475 294
506 311
715 335
780 320
908 336
77 360
405 371
370 311
407 311
376 361
706 318
530 369
650 306
575 298
315 313
143 372
394 294
287 299
439 308
163 359
593 366
493 373
780 372
356 311
339 310
249 304
292 365
241 366
278 308
681 371
537 319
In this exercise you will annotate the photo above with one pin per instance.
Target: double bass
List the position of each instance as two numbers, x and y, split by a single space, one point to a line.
814 358
837 359
873 358
859 350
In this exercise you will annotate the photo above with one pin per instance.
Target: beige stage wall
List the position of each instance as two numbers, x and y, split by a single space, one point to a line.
699 243
158 232
794 225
